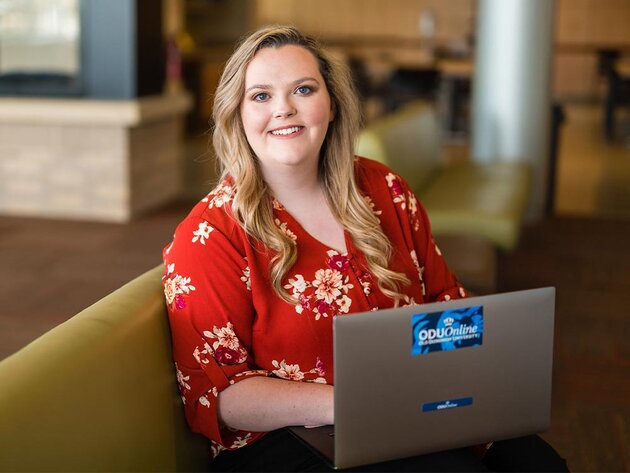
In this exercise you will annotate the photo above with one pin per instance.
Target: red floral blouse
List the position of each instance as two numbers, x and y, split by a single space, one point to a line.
227 322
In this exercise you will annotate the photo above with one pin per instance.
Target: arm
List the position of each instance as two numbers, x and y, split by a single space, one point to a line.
226 396
261 404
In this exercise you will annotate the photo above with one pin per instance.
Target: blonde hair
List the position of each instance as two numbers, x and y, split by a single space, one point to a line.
252 205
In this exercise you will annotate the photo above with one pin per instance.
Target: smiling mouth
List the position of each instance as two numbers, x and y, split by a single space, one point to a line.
286 131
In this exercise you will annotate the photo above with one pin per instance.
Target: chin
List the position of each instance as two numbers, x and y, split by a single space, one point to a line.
291 159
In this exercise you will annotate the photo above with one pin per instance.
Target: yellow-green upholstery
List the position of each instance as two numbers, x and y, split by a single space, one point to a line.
483 201
407 141
98 392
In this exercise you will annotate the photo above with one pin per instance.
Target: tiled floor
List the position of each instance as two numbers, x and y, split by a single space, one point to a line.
53 269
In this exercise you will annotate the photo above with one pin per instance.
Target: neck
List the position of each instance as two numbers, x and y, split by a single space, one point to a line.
293 184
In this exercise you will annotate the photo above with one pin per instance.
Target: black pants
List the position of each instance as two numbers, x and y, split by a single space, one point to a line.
281 451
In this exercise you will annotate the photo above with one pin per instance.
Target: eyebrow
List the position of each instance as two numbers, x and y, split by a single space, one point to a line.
294 83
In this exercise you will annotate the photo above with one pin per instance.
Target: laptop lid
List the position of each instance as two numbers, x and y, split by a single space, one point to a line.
437 376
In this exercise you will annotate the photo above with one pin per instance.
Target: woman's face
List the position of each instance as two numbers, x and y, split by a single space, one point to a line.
286 109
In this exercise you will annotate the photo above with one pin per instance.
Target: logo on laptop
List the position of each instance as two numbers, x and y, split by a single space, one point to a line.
448 404
447 330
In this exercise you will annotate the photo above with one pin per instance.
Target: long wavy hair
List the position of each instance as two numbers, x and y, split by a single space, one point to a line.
252 206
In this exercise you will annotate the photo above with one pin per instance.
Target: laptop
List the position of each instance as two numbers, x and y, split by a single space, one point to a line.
433 377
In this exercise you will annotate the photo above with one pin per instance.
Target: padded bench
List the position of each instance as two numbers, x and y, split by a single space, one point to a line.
475 208
98 392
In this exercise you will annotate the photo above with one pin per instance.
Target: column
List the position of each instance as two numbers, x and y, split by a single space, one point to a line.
512 88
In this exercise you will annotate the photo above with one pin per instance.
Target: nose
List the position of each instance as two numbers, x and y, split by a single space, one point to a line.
284 108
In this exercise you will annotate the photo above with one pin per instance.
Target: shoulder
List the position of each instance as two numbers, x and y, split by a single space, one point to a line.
370 174
216 207
375 177
370 169
212 214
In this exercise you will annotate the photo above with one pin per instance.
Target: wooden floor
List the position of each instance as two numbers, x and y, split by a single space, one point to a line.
53 269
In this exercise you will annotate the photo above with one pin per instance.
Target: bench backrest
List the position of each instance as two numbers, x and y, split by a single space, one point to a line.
408 141
98 392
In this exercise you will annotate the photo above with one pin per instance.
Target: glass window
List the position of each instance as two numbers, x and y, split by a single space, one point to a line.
39 44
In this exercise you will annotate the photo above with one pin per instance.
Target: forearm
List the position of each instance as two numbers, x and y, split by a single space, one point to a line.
261 404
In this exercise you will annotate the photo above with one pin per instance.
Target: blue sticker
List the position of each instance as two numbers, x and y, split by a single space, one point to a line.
449 404
447 330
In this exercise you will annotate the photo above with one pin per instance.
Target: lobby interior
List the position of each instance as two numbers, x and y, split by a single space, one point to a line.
56 265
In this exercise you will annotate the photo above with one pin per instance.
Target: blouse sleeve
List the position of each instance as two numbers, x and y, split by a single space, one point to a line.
439 283
208 295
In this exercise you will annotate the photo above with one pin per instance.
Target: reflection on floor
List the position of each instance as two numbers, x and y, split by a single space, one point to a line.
586 259
53 269
593 175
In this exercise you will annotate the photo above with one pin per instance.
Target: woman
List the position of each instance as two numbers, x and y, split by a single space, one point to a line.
297 231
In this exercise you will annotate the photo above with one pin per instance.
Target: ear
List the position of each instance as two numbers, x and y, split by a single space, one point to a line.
333 111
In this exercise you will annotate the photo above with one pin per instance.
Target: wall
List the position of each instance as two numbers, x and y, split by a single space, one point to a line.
218 21
356 18
581 27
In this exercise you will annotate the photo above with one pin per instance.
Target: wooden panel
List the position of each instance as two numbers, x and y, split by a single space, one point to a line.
582 26
578 21
575 75
355 18
593 21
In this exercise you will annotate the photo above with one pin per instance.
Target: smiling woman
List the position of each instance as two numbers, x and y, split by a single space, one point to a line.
297 232
286 111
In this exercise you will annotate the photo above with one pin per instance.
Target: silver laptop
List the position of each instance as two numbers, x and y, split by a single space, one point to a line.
437 376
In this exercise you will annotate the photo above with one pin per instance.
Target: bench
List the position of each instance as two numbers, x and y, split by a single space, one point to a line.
474 209
98 392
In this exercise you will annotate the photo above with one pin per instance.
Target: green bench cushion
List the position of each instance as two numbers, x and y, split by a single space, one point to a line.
485 201
390 139
98 392
488 201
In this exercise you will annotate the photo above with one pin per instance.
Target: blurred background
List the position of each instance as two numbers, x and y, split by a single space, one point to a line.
105 108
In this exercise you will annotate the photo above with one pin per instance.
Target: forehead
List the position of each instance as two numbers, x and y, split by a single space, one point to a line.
282 64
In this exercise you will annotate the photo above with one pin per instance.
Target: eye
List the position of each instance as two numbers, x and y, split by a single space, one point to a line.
261 97
304 90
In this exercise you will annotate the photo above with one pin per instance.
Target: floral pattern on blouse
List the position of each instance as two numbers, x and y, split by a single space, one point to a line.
405 198
370 203
246 277
327 293
227 322
223 194
419 268
293 372
182 383
176 288
202 233
205 401
283 226
225 348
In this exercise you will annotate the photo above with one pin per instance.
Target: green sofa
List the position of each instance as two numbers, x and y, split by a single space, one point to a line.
485 201
476 211
98 392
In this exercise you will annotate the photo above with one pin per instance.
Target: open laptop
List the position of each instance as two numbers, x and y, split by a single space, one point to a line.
437 376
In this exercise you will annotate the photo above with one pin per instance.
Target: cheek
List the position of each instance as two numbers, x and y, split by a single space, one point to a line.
253 120
324 112
320 115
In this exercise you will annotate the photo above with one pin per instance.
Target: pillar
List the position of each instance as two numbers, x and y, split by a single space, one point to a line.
512 88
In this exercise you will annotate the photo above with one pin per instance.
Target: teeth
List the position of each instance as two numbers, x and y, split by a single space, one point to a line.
286 131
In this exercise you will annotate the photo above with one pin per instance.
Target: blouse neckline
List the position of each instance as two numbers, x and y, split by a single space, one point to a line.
278 207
